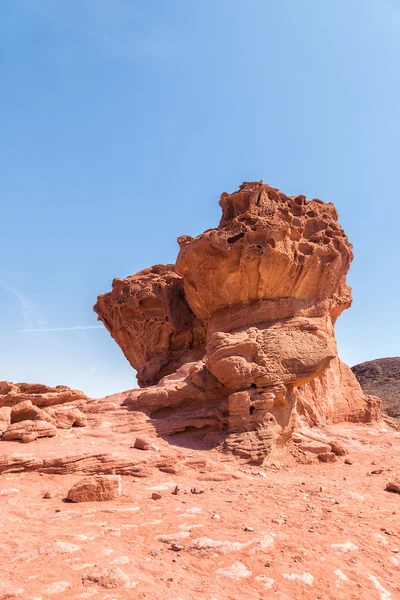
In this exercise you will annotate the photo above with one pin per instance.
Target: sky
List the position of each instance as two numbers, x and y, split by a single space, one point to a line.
122 122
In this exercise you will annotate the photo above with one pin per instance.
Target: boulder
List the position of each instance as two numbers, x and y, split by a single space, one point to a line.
97 488
26 411
66 417
29 431
144 444
393 486
315 447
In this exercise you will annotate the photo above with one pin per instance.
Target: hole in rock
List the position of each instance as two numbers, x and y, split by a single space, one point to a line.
271 242
235 238
253 385
251 410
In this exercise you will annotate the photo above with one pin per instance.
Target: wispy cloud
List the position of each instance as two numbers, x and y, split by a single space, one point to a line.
28 309
72 328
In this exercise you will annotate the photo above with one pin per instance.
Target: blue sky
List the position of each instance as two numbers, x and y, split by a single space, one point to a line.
123 121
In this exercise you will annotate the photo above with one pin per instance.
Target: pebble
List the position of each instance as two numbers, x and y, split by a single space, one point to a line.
156 496
176 547
216 517
249 528
197 490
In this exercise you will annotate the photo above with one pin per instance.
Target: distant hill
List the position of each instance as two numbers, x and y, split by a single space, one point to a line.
381 377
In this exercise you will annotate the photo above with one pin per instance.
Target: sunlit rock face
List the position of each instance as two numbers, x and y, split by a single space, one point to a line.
244 317
148 316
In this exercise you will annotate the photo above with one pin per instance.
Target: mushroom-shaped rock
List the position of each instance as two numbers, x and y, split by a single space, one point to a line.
266 287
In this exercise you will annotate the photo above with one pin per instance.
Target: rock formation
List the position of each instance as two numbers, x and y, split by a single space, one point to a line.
31 410
39 394
243 320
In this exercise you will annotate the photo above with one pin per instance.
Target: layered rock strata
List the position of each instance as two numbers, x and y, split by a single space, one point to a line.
29 411
243 320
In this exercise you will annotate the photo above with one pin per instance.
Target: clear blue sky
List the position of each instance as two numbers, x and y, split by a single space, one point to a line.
123 121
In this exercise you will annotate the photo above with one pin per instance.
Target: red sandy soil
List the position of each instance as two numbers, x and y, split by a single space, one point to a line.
317 531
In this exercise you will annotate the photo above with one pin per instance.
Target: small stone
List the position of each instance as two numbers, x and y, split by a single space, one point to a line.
176 547
338 448
176 490
96 488
393 486
348 461
377 472
216 517
47 494
197 490
327 457
156 496
144 444
106 577
249 528
315 447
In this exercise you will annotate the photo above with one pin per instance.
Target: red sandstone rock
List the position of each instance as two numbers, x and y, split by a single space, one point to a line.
28 431
269 284
106 577
393 486
40 395
144 444
315 447
338 448
336 396
5 418
149 318
327 457
98 488
26 411
65 417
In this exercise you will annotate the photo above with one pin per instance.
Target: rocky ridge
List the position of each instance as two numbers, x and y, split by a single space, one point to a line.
381 377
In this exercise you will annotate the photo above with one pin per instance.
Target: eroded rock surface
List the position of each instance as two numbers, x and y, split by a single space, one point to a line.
39 394
148 316
242 327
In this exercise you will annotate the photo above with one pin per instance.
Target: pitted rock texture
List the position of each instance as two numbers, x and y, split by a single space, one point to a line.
263 291
148 316
39 394
21 415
